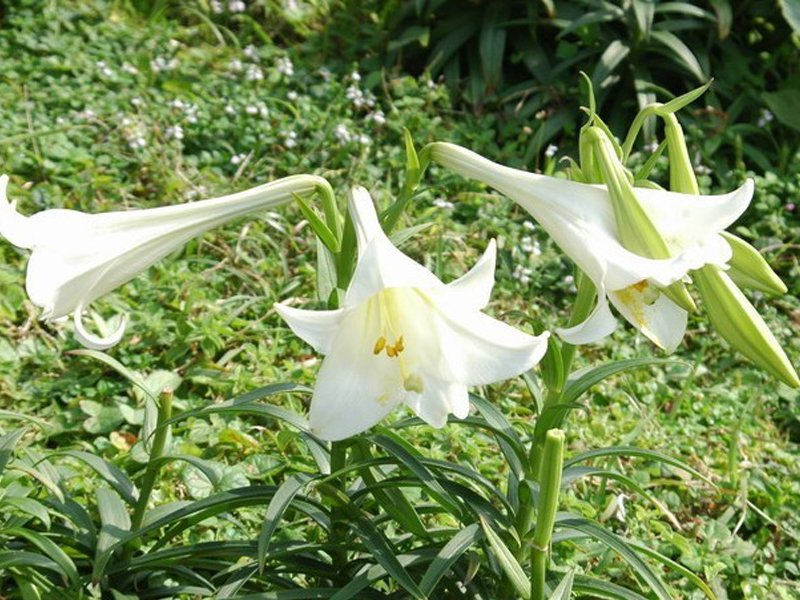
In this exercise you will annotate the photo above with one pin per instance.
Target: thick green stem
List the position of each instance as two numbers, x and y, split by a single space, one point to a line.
549 487
338 527
153 464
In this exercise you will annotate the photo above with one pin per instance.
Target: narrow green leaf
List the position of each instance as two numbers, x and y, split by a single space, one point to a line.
505 557
643 570
116 525
50 548
29 506
564 589
7 443
674 47
581 381
318 225
277 507
602 589
133 377
611 58
406 455
674 566
448 555
111 473
384 552
638 452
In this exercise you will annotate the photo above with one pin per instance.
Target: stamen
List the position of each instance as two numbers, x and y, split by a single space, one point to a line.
398 345
391 352
380 344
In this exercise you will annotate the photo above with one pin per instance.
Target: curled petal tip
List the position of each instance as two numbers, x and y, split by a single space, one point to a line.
94 342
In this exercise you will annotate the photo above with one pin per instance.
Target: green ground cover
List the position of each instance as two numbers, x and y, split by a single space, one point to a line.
104 108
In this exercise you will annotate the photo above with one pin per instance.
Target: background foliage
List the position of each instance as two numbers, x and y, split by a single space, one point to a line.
126 104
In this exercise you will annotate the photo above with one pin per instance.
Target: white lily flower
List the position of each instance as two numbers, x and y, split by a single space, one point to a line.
78 257
580 219
404 336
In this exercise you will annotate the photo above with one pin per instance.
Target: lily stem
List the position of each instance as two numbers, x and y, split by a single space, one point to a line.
549 487
338 527
153 465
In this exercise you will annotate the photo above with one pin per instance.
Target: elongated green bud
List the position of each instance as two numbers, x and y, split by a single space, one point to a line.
681 173
750 270
738 322
634 227
549 487
730 312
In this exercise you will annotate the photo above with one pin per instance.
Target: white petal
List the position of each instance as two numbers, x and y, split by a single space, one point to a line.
382 266
685 219
355 388
663 321
364 216
316 327
438 399
94 342
474 288
601 323
477 349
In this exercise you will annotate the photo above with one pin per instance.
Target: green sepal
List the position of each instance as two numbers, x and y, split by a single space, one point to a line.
750 270
738 322
319 226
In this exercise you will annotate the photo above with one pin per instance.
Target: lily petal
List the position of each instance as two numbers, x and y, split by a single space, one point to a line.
479 350
354 393
316 327
474 288
663 321
439 399
380 265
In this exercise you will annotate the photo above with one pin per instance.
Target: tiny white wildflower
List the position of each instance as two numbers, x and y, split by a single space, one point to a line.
251 110
230 110
652 146
551 150
237 158
173 44
378 117
137 101
284 66
342 134
291 96
129 68
364 140
236 65
442 203
529 225
254 73
250 52
216 6
237 6
355 76
174 132
289 138
159 64
766 117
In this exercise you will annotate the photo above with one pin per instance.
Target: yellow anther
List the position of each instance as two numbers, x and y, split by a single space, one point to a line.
398 345
391 351
413 383
379 345
640 286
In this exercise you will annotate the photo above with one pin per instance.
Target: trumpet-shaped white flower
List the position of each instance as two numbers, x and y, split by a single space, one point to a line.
78 257
580 219
404 336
